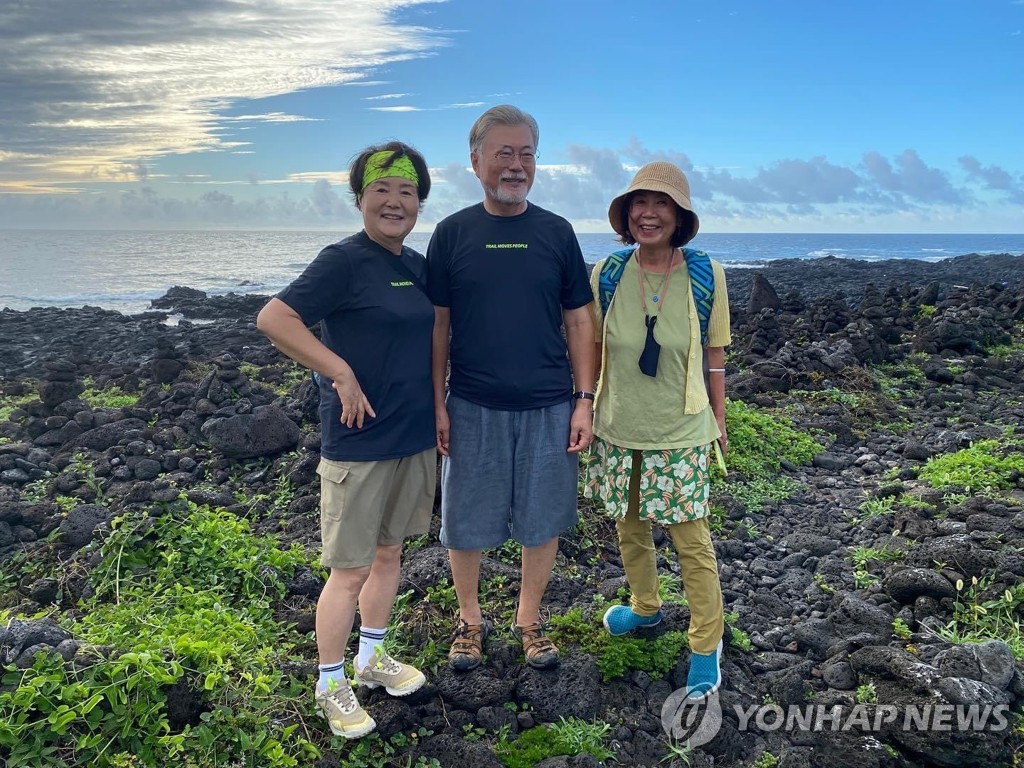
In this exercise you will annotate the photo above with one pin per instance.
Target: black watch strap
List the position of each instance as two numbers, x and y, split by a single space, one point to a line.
583 395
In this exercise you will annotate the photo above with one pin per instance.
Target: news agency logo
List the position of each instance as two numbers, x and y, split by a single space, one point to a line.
697 721
691 721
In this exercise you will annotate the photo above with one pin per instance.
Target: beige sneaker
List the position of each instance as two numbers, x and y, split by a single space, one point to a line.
343 712
397 678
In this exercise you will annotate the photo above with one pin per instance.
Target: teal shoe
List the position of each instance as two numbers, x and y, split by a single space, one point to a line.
621 620
705 675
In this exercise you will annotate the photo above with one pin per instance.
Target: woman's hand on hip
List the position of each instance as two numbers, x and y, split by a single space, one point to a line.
355 408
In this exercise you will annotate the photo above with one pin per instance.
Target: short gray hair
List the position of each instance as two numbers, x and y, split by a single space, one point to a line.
503 114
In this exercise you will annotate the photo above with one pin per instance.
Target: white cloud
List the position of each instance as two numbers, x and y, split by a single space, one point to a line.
270 117
900 193
87 88
386 96
407 108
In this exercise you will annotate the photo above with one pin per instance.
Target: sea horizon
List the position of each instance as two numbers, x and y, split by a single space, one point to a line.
125 270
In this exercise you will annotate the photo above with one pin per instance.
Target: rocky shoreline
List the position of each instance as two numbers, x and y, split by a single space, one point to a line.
848 588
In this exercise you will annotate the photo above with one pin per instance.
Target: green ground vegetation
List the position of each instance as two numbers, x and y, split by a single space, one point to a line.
985 467
281 377
865 557
758 444
8 403
979 616
108 397
181 597
616 656
569 737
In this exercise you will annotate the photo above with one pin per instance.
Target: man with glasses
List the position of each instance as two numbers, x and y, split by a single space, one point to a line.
506 277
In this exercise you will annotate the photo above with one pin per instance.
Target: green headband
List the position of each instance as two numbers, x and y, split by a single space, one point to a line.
375 169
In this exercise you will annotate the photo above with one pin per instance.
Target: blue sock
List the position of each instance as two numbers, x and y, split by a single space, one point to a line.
369 639
329 673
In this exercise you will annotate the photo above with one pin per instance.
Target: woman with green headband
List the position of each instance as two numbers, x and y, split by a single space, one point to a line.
378 458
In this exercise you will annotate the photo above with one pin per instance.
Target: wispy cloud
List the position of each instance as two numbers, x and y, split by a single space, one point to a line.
269 117
386 96
90 88
398 108
409 108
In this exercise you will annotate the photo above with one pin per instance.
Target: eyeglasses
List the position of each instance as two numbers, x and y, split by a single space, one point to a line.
506 156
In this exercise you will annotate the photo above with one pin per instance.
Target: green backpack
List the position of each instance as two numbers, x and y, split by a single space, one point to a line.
702 282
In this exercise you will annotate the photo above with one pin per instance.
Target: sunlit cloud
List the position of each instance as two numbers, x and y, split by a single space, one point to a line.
89 89
409 108
384 96
270 117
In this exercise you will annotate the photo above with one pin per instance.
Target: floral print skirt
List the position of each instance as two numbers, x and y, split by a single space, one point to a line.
675 483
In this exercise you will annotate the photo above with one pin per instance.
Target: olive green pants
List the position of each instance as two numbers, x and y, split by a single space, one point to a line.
697 562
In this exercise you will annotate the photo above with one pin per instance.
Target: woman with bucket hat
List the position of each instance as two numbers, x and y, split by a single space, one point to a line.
662 317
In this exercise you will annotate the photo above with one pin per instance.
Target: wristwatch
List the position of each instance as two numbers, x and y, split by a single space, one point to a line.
583 395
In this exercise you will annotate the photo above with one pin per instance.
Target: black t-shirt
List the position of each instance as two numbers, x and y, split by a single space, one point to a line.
506 280
380 323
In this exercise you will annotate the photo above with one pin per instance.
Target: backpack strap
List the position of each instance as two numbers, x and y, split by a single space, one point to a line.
702 282
611 273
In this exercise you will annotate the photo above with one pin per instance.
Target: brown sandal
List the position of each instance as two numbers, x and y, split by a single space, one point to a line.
540 652
467 649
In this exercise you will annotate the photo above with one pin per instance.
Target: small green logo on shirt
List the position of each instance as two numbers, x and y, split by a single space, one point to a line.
400 283
507 245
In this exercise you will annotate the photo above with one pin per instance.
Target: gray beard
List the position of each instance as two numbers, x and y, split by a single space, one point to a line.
506 198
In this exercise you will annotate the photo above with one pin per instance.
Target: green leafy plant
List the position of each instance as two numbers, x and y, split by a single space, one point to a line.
566 737
108 397
617 655
863 557
683 752
872 508
670 589
849 400
766 760
737 637
754 494
759 442
977 619
984 467
181 599
866 694
900 629
8 403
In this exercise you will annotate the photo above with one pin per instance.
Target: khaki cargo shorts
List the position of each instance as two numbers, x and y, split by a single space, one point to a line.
366 504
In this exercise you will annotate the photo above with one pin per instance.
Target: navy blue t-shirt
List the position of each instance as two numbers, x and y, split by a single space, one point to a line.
506 280
380 323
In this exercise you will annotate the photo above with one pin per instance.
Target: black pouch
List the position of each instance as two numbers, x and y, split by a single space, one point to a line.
652 349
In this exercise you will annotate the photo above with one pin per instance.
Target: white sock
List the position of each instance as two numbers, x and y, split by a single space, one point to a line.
369 639
329 673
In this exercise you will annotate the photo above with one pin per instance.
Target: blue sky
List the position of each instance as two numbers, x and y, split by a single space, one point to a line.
787 116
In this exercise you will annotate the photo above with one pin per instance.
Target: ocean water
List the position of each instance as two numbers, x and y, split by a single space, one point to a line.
125 270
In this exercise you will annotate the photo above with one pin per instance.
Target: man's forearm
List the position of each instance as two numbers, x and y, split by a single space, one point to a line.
439 356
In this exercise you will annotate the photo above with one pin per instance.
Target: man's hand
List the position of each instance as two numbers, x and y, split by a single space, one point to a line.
443 429
354 405
581 426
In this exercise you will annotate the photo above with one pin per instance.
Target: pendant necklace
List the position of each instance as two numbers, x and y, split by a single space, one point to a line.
655 292
648 361
659 294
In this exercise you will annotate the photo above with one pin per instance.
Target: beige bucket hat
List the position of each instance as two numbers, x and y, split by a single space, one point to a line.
659 176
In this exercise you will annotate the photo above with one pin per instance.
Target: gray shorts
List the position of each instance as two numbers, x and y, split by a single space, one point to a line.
508 475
